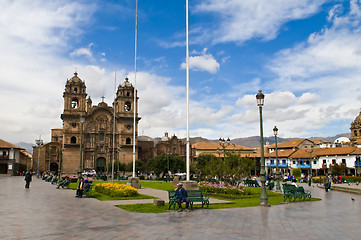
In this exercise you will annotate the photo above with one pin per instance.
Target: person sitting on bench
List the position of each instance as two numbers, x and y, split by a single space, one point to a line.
63 183
180 195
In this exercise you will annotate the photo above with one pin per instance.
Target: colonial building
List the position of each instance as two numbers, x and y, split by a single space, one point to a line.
356 129
13 159
87 134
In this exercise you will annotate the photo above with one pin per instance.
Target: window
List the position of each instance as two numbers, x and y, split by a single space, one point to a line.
101 137
294 162
333 161
324 161
127 106
355 133
314 162
75 90
73 125
74 103
129 127
128 94
344 161
283 161
307 162
73 140
128 141
272 161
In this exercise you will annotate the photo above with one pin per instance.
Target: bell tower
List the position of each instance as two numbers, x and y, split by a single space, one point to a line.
124 111
75 106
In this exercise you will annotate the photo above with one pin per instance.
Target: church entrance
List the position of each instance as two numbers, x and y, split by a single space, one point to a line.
100 165
54 167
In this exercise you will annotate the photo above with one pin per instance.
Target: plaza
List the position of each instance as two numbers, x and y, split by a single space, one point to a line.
44 212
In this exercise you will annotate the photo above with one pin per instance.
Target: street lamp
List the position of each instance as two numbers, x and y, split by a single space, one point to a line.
39 142
278 187
60 157
82 120
263 197
310 174
224 144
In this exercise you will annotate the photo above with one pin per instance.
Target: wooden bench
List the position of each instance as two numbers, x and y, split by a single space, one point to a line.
192 195
292 192
251 183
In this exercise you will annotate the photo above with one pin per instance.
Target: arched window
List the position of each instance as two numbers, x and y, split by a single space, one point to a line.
75 90
127 106
73 140
355 132
128 94
74 103
101 137
128 141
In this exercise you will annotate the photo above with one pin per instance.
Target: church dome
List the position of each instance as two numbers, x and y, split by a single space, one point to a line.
126 83
75 79
358 119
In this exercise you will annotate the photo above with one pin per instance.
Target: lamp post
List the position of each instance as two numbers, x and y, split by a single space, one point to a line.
60 157
278 187
310 173
263 197
82 120
39 142
224 144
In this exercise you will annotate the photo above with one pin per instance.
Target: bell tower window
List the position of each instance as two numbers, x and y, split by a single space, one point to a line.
128 141
73 140
128 94
127 106
75 90
74 103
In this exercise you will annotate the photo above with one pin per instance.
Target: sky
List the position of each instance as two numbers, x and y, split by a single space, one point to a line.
304 55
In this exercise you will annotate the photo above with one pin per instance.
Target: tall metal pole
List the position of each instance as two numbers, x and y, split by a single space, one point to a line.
278 187
60 157
135 82
114 106
81 150
263 197
39 142
187 79
310 174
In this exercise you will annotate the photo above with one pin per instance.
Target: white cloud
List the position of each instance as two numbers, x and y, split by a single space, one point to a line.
202 62
243 20
87 52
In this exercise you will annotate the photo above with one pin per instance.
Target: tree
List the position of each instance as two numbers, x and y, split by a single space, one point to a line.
161 164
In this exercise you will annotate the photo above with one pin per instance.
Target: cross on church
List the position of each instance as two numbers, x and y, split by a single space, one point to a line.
103 98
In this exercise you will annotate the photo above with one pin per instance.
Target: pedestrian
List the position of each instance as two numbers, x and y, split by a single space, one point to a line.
309 180
79 191
180 195
27 179
326 182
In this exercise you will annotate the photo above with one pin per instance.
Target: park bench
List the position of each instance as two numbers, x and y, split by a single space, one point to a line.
251 183
192 195
292 192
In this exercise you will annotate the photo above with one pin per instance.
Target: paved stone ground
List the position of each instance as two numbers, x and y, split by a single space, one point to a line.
43 212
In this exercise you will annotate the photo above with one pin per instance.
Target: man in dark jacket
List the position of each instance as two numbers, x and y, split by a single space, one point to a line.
180 195
79 191
27 179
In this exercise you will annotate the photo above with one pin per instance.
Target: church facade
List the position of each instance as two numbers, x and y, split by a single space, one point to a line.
87 135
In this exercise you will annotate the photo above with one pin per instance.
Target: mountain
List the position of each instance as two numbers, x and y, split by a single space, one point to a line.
254 142
28 146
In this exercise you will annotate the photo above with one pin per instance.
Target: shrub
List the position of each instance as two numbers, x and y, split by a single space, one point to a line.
223 189
116 190
296 172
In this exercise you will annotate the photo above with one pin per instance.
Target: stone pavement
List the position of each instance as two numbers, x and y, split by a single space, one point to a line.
43 212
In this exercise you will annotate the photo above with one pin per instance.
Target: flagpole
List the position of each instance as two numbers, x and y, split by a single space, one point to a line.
115 92
135 83
187 76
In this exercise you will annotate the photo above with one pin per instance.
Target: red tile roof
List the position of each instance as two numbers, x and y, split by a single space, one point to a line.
216 145
4 144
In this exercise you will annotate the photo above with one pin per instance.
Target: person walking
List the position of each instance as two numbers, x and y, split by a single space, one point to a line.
27 179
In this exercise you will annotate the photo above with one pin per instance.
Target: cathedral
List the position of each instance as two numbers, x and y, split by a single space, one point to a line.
87 132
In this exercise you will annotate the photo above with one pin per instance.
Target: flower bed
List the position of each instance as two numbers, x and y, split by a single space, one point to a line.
116 190
223 189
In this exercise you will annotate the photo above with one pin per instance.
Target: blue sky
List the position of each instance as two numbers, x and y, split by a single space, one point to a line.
304 55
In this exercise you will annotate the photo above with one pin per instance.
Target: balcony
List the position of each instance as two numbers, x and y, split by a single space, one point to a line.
357 164
274 165
303 166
